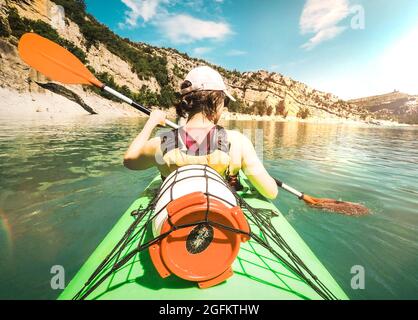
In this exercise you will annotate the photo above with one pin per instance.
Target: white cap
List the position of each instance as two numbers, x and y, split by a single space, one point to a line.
206 78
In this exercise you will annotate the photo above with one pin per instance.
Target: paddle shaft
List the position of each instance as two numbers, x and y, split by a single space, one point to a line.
135 104
289 189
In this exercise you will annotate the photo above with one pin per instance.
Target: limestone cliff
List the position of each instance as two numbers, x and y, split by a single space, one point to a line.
146 73
396 106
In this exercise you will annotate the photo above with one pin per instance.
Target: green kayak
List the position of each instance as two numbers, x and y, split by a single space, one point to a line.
259 272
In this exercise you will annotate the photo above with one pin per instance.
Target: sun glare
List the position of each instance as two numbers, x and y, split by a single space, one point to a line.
399 64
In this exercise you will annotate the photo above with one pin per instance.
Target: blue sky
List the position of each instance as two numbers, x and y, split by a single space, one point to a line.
351 48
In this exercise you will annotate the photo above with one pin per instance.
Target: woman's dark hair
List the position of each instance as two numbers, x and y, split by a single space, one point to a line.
206 101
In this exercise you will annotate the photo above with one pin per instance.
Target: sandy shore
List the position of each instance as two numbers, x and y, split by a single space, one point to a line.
331 120
53 106
17 104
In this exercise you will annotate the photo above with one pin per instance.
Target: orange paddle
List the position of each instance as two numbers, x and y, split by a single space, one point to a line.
337 206
58 64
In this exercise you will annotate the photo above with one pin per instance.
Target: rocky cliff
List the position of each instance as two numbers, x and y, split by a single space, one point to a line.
396 106
148 74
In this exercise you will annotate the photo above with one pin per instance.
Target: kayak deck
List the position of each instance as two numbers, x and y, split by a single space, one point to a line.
258 275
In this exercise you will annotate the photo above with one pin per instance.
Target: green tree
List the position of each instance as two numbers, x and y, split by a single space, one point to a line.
303 113
260 107
236 106
22 25
179 72
4 28
280 108
167 97
147 98
19 27
125 91
144 63
247 109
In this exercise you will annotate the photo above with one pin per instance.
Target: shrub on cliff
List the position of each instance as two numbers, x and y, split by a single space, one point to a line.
260 107
4 28
303 113
236 106
146 97
143 62
20 26
409 118
281 109
247 109
167 97
179 72
17 24
109 81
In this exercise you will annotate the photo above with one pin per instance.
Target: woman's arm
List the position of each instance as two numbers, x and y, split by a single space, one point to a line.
141 153
255 171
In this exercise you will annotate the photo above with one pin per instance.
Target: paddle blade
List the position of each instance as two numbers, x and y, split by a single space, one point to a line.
342 207
54 61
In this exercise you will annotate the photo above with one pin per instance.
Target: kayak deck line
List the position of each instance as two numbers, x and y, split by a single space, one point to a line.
258 274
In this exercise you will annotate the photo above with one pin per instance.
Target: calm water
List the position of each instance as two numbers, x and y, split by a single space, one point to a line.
62 187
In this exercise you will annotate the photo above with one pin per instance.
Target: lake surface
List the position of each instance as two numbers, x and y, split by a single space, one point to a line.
63 186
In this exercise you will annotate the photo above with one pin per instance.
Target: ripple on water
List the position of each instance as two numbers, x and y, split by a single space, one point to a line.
62 188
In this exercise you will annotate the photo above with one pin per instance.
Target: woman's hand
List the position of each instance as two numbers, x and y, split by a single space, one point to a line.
157 118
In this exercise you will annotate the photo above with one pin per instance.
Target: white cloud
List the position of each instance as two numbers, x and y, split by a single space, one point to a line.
235 52
323 35
322 17
201 50
178 28
183 28
145 9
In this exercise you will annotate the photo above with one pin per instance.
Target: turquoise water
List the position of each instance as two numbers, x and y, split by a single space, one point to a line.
62 187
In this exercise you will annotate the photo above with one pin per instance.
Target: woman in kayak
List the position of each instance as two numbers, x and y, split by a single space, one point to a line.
201 140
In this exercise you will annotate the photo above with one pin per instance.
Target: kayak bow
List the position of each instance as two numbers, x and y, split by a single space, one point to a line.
258 274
